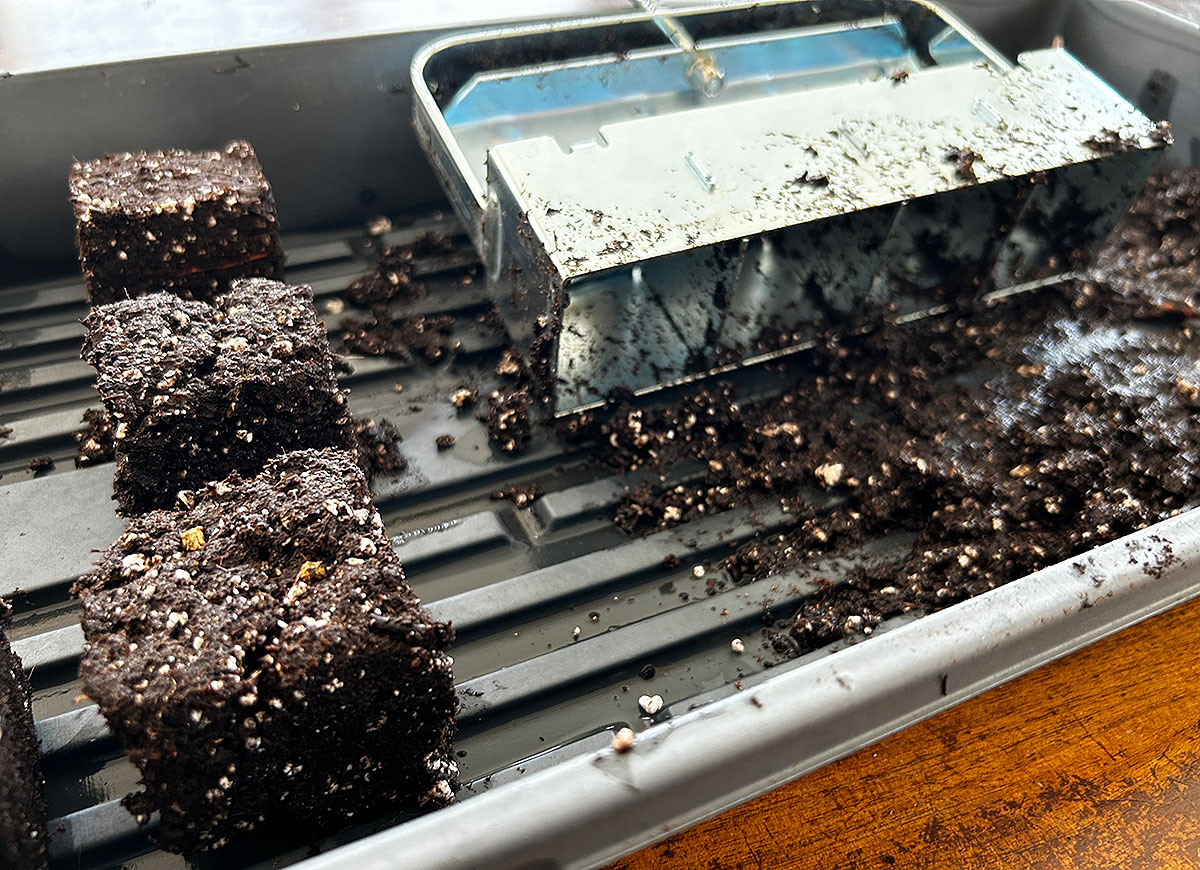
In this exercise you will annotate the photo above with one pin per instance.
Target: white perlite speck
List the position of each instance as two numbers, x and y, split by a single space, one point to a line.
698 571
650 704
134 563
830 472
737 646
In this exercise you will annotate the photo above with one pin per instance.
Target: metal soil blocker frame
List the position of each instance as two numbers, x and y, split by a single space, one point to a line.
860 157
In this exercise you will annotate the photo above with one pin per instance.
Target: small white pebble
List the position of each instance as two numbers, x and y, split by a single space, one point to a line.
697 570
737 646
650 704
623 740
575 633
379 225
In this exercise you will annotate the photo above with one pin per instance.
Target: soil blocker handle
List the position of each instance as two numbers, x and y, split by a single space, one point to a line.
703 73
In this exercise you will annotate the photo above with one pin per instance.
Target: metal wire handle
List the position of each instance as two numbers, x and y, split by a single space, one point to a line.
703 72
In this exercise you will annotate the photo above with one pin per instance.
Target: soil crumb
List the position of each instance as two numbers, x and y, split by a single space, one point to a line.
378 445
427 336
40 465
392 278
508 420
522 494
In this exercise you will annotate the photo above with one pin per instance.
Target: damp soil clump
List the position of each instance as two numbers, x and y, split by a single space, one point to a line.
393 276
428 336
999 440
378 450
508 420
40 465
520 494
23 834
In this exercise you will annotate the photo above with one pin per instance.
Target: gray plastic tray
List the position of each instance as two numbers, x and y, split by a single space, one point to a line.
544 790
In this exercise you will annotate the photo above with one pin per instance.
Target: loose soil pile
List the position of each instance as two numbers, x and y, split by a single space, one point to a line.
1007 438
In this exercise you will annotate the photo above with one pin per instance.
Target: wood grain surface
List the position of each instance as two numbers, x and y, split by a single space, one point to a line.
1091 761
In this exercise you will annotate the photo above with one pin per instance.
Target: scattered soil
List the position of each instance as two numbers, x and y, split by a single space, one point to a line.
444 442
464 397
378 442
1111 142
507 419
512 366
1006 438
491 322
94 444
41 465
522 494
379 338
964 160
429 336
425 335
392 277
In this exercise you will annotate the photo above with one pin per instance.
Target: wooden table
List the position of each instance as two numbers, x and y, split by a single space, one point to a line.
1091 761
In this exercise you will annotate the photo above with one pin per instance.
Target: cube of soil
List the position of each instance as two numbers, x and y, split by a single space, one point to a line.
185 222
195 391
22 810
264 662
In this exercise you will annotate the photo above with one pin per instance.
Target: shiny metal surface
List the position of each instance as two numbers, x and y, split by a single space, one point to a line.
622 215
